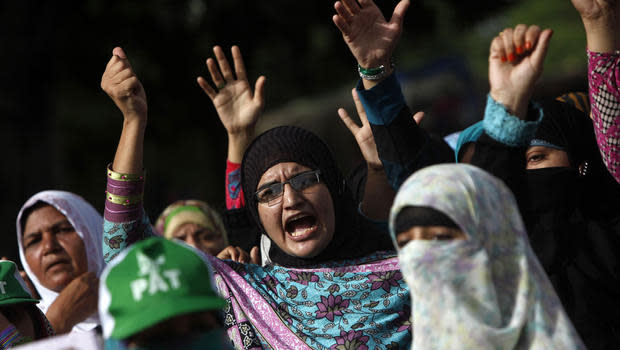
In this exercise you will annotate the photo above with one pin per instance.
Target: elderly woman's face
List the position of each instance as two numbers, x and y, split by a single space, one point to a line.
302 222
200 237
53 250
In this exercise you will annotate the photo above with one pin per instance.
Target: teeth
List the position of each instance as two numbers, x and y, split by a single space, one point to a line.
300 232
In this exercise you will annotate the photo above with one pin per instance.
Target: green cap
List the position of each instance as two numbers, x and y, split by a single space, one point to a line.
13 289
152 281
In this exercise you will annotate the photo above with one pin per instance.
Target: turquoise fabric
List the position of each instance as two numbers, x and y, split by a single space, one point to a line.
386 99
362 303
471 134
508 129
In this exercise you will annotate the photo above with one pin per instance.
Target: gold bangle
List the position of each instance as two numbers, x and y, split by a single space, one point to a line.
124 177
123 200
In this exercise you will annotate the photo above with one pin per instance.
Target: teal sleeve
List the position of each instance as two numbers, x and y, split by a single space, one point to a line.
383 102
120 235
507 129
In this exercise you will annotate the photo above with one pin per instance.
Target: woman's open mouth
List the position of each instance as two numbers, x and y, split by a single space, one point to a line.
301 227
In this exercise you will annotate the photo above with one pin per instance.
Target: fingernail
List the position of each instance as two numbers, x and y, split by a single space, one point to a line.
519 50
511 57
528 45
503 58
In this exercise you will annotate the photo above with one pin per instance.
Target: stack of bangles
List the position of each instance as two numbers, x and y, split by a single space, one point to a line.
124 189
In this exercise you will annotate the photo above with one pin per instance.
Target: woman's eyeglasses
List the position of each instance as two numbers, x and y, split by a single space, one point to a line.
271 194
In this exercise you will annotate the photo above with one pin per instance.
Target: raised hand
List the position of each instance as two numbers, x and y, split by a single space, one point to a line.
515 63
594 9
370 37
122 85
363 135
237 106
600 21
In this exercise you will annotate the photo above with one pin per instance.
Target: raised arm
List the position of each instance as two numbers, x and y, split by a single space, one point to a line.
122 85
238 108
124 219
371 39
516 58
600 19
378 194
402 146
515 63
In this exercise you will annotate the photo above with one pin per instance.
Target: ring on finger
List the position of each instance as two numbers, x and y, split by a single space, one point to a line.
221 85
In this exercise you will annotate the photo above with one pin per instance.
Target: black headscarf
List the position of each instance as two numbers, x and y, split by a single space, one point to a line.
573 219
587 178
354 236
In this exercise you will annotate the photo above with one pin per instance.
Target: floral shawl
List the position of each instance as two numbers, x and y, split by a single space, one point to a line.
88 224
359 304
487 291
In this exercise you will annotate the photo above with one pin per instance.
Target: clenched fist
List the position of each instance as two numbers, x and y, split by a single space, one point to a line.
120 82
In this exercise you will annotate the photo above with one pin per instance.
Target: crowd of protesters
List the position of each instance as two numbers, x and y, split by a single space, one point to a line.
509 240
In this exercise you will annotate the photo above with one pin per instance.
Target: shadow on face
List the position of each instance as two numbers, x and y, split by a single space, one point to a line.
201 238
539 157
300 221
53 249
432 233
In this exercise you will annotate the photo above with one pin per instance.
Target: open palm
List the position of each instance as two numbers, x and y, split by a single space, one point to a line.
237 106
370 37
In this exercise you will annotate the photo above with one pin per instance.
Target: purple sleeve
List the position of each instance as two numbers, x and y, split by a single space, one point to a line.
125 221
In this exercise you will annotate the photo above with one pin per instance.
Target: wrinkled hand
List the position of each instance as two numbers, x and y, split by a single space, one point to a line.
76 302
591 10
515 63
239 255
370 37
122 85
600 19
363 135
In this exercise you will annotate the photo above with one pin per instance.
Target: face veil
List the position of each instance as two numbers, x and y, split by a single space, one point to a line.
489 286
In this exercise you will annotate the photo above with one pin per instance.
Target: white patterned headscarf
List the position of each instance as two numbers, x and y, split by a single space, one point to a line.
88 225
485 292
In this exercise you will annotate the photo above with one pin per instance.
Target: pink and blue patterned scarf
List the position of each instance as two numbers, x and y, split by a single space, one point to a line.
357 304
